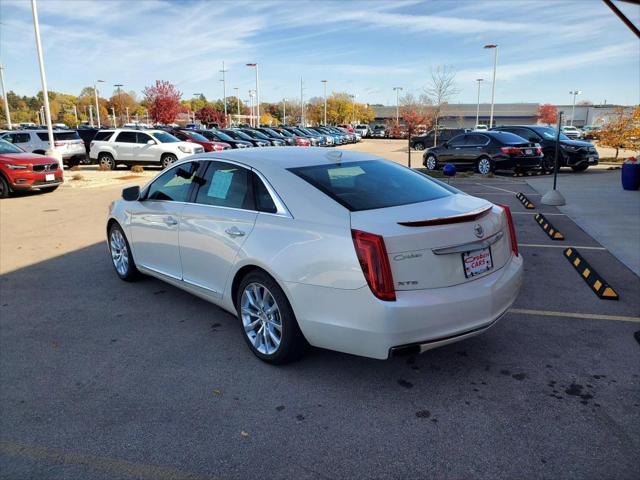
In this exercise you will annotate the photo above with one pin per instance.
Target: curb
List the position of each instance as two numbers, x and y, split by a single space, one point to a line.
548 228
524 200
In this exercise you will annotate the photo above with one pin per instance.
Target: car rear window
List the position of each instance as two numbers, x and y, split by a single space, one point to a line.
371 184
509 138
60 136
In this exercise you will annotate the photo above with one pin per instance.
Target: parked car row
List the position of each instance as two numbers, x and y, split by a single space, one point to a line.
516 147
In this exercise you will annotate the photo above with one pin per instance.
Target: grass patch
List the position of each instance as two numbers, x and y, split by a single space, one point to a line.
439 174
77 177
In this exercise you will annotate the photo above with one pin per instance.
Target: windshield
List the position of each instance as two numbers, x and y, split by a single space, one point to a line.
287 133
256 134
217 135
6 147
273 132
240 134
366 185
549 133
196 136
164 137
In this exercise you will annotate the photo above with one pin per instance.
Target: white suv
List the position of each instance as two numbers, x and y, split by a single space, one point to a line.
131 146
67 142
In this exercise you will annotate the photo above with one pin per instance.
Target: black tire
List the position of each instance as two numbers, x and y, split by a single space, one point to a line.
547 164
580 167
167 159
431 162
49 189
292 342
418 146
108 160
130 273
5 190
481 166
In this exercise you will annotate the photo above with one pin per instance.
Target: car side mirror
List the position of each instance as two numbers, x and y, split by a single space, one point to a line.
150 142
131 194
445 144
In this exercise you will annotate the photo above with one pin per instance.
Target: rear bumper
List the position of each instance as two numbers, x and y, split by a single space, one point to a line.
523 163
354 321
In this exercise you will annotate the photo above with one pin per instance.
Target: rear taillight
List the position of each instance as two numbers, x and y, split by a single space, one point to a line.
538 150
372 255
511 150
217 147
512 230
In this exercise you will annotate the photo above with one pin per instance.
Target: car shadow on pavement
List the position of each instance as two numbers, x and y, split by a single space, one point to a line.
152 373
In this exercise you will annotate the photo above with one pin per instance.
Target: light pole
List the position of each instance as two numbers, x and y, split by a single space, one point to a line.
479 80
302 101
397 90
118 85
353 116
224 92
493 85
325 101
284 111
238 101
200 95
113 115
251 108
45 91
575 93
255 65
128 119
6 102
91 115
95 92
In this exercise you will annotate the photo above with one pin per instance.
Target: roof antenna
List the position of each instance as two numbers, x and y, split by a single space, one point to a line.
335 156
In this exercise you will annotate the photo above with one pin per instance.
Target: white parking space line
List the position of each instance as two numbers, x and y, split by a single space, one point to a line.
496 188
584 316
535 213
537 245
498 193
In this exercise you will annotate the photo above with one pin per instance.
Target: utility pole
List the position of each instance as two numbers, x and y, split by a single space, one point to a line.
118 85
224 93
479 80
493 84
397 90
302 102
575 93
95 92
7 114
353 116
255 65
45 91
284 111
325 101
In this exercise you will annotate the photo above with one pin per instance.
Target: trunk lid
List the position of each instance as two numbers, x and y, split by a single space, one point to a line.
426 242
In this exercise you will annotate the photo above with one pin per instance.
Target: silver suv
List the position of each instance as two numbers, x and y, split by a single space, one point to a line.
67 142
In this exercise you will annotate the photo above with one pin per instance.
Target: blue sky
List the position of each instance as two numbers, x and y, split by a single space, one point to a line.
366 47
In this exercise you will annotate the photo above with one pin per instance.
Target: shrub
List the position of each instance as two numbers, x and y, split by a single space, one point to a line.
137 169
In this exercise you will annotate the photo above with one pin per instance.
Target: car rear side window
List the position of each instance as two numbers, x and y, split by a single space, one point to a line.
367 185
263 200
103 135
60 136
475 139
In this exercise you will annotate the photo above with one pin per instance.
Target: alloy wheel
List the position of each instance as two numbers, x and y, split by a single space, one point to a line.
119 251
261 318
484 166
108 161
168 160
431 162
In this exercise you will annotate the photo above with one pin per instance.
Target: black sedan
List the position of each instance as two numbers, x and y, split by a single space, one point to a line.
577 154
218 136
257 135
486 152
240 135
271 133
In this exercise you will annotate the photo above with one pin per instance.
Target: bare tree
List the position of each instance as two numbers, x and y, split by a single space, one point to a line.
441 88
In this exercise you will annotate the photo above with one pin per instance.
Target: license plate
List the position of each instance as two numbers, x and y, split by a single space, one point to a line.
528 151
591 159
477 262
49 177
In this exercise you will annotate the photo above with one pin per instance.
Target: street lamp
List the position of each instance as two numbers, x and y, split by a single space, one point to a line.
575 93
479 80
397 90
200 95
255 65
6 102
493 85
284 111
238 101
251 108
325 100
353 116
95 92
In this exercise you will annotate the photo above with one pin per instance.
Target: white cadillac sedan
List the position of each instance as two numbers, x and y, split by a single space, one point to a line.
342 250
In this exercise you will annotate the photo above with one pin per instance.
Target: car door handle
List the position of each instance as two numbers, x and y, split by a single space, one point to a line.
234 232
170 221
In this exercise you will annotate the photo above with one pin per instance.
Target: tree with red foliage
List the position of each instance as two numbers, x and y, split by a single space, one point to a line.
547 113
163 101
209 115
413 119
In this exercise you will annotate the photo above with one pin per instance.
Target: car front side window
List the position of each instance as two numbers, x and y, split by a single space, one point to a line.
457 141
175 184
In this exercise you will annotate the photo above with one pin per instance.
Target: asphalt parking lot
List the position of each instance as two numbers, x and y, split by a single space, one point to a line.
104 379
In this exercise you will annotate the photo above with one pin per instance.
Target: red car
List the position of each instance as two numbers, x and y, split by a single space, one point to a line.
20 170
187 135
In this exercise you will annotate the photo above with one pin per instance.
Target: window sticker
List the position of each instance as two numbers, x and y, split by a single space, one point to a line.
335 173
220 184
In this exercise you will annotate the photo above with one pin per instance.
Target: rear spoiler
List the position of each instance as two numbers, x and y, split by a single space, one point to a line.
466 217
